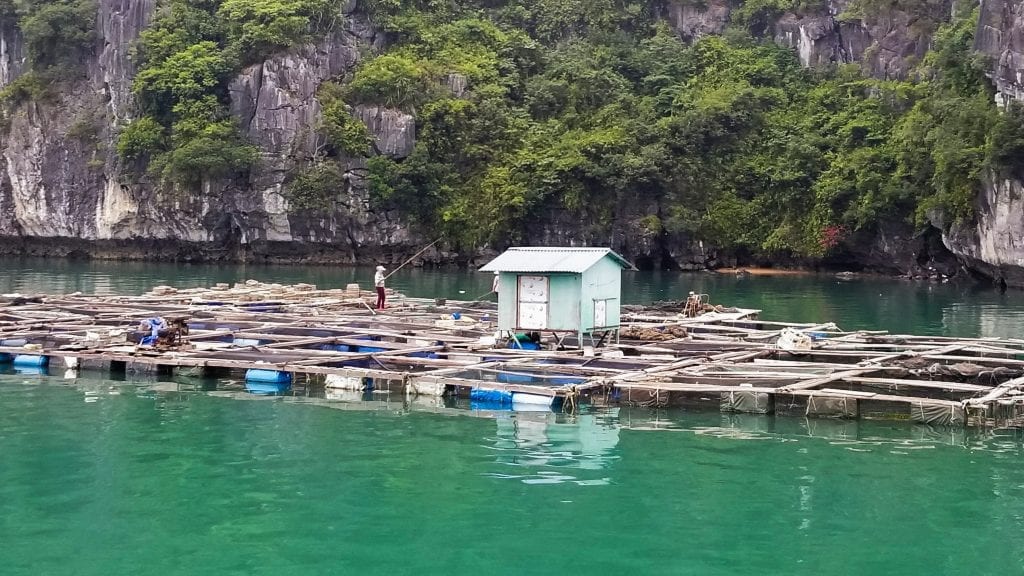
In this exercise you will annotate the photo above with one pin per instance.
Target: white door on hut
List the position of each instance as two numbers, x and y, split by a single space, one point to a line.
532 301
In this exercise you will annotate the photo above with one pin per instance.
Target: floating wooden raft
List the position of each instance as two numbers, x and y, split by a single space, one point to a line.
727 359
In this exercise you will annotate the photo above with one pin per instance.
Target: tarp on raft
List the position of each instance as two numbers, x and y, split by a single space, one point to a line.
938 415
832 407
747 401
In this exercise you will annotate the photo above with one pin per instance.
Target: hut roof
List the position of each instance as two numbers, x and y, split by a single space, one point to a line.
535 259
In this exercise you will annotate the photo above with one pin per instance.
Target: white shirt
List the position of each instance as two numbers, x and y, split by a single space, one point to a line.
378 279
496 284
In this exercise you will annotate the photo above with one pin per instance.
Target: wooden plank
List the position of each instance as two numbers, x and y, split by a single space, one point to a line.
816 382
997 392
925 384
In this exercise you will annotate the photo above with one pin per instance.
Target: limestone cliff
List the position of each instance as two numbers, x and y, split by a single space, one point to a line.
62 181
1000 37
992 244
887 44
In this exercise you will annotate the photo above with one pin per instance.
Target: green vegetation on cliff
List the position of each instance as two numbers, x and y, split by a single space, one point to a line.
591 112
186 58
727 140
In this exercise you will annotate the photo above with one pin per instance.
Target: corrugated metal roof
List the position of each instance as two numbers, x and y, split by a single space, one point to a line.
575 260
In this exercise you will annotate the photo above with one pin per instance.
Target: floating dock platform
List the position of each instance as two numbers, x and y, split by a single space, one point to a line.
725 359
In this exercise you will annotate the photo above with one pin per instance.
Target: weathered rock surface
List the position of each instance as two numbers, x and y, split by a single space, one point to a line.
896 248
695 20
993 242
394 131
887 45
1000 37
12 54
62 179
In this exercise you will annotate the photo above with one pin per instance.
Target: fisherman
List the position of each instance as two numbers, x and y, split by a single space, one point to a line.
378 281
693 306
496 285
154 326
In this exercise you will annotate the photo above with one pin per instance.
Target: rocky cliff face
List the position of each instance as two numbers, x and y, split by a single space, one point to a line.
886 44
993 242
62 180
1000 37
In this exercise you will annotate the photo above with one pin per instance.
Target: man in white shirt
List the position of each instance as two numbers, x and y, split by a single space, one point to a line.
496 285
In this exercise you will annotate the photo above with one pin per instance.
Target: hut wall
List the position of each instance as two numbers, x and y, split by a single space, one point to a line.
603 281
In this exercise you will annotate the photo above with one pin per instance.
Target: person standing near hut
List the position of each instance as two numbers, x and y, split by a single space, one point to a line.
496 284
378 281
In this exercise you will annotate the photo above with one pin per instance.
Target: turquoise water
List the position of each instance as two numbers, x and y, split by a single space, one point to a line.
102 477
863 303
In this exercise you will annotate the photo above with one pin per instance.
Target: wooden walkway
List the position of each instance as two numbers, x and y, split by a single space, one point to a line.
726 359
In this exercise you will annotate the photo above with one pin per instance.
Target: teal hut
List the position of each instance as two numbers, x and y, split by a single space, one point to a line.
562 291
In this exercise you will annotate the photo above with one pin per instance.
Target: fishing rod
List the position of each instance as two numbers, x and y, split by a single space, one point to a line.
482 296
415 256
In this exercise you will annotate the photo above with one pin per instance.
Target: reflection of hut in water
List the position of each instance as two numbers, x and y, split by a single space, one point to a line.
548 439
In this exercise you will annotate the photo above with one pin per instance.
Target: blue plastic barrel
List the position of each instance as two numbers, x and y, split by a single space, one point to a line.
496 396
267 388
268 376
30 370
30 360
489 406
371 349
524 346
246 342
14 342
